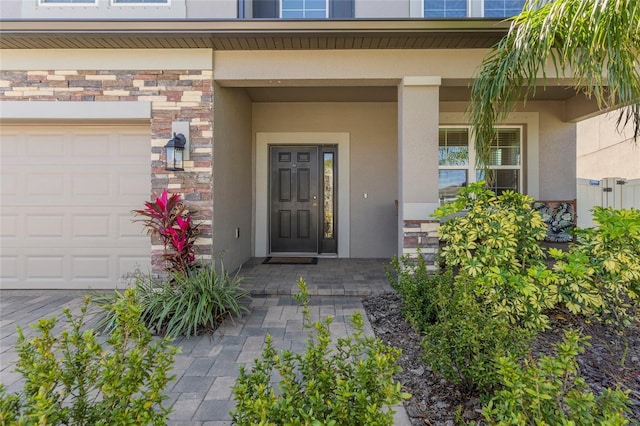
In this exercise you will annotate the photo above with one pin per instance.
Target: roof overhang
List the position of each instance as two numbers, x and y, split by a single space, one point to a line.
252 34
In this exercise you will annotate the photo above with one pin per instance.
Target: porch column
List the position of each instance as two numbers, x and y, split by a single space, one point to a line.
418 119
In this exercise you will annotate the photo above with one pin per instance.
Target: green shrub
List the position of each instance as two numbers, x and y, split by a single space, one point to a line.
494 244
418 288
482 230
549 391
73 379
600 274
350 383
186 304
465 341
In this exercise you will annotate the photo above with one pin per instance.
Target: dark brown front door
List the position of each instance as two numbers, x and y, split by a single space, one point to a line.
294 193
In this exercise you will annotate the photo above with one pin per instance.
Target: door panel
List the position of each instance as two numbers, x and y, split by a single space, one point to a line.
294 199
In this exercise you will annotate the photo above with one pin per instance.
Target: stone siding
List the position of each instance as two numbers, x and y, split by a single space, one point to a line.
184 95
421 236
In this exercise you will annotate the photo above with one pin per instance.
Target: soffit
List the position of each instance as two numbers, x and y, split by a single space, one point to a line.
253 34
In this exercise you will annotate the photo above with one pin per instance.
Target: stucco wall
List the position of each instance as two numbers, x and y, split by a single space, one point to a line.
373 162
603 151
232 177
557 152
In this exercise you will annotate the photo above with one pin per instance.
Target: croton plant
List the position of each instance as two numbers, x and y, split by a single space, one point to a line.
168 218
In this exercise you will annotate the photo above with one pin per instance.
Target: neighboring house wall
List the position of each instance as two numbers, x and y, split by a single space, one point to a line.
233 177
174 94
372 164
603 151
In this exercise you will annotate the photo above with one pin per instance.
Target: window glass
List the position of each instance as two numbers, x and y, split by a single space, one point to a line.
445 8
453 147
456 160
502 8
501 180
328 192
449 183
505 150
302 9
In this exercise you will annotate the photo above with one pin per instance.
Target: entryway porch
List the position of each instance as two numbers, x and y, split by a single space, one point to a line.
329 277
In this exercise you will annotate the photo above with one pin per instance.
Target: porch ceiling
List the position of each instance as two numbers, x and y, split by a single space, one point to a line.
448 93
253 34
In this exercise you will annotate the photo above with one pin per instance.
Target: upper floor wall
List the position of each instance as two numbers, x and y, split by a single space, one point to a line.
258 9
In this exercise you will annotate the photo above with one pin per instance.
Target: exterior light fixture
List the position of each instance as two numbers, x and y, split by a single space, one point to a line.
174 152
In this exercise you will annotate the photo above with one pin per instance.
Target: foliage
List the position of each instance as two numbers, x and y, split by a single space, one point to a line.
418 289
494 241
348 382
74 379
601 273
593 42
495 231
549 391
467 337
186 304
167 217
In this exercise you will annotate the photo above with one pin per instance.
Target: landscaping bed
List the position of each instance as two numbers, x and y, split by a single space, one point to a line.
435 401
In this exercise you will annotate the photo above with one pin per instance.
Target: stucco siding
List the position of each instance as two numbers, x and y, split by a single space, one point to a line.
557 152
232 178
373 162
604 151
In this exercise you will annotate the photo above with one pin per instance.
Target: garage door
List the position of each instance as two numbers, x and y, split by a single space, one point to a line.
67 196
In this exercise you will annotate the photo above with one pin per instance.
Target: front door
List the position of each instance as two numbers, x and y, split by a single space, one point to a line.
294 192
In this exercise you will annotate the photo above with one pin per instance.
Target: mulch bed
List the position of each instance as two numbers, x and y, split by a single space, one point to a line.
437 402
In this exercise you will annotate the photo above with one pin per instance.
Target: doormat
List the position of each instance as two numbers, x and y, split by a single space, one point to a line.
290 261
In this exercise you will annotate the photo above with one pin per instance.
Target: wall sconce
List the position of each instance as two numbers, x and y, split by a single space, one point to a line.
174 152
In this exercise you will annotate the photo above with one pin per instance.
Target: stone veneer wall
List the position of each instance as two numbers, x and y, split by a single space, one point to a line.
175 95
421 236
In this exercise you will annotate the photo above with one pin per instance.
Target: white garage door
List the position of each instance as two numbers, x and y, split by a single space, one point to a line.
67 196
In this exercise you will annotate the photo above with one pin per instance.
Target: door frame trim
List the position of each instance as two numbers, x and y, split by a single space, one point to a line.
263 141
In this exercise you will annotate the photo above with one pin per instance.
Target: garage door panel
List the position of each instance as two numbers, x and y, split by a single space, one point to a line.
129 228
127 148
91 184
9 226
86 146
45 146
47 184
128 182
90 267
42 266
67 197
91 226
9 267
45 226
8 183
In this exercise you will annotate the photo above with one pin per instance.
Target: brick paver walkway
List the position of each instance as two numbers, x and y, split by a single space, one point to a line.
208 366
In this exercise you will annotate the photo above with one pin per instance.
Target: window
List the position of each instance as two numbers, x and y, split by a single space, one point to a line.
502 8
301 9
445 8
456 161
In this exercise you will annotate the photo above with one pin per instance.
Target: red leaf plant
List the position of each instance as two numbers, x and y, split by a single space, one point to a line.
167 217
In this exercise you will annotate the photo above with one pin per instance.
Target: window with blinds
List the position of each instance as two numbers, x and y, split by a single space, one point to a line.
457 162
